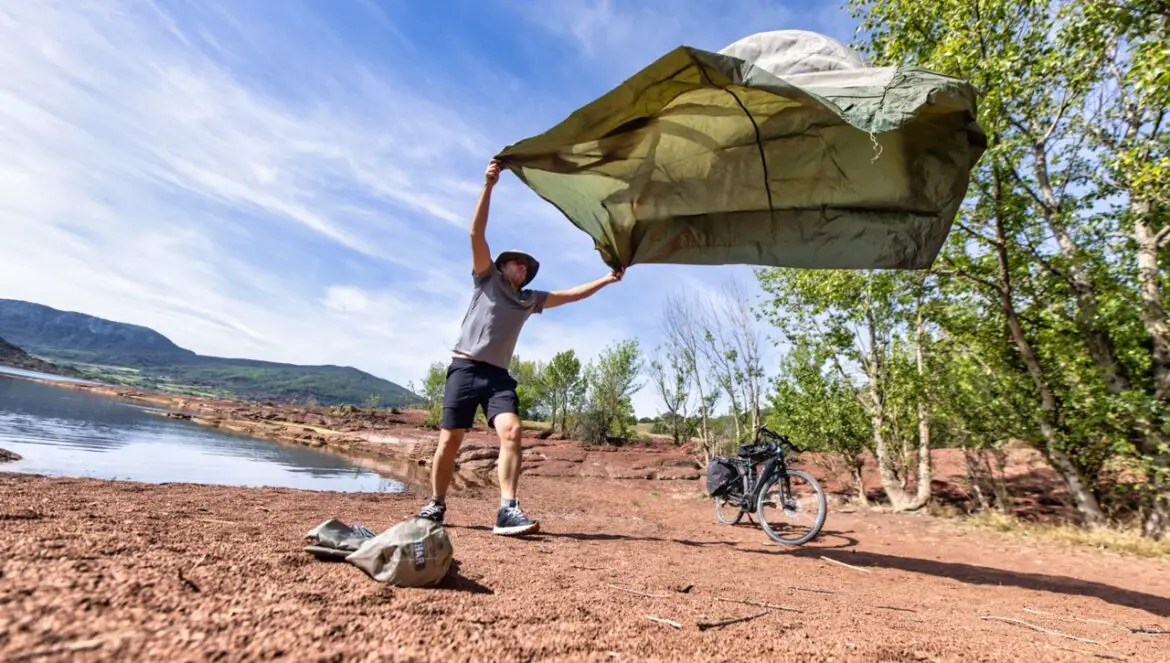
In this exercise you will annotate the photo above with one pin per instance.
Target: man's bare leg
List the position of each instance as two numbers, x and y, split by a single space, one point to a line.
508 429
443 463
442 469
510 520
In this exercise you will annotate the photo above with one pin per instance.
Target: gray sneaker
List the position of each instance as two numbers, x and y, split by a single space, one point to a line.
511 521
433 511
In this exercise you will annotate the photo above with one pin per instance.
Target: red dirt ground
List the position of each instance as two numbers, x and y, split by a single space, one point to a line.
93 570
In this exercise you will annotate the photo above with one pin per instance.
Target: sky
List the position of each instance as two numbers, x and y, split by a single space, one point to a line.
293 180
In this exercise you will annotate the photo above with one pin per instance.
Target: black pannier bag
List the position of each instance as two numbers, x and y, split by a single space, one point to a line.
722 474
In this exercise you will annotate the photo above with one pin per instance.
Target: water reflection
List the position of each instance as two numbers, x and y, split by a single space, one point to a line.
61 432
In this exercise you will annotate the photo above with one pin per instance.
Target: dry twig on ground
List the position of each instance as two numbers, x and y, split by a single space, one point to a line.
758 604
848 566
1066 618
1025 624
703 626
638 593
668 622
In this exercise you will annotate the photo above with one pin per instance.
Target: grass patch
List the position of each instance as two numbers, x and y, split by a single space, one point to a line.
1115 540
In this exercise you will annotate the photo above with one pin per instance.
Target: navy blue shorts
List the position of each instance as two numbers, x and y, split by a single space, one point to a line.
475 384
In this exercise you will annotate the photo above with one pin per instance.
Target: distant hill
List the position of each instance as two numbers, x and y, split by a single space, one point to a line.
10 355
140 356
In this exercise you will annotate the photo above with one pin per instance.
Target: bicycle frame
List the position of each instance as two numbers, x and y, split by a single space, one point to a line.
759 465
754 478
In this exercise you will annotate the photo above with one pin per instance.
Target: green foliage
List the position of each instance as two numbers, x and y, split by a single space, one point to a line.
10 355
817 406
431 390
561 379
611 381
1051 313
530 388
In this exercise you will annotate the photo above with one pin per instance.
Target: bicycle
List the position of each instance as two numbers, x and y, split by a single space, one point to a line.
746 481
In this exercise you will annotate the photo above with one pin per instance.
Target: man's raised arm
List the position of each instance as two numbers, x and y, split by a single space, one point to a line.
558 297
481 255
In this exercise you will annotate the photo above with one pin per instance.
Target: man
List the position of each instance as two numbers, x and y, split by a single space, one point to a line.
478 373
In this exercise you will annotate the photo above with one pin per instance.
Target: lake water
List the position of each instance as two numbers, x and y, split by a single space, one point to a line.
62 432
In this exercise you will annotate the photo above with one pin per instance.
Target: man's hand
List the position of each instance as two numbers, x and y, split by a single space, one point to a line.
492 174
614 276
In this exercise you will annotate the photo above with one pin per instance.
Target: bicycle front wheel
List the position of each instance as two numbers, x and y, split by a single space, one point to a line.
791 508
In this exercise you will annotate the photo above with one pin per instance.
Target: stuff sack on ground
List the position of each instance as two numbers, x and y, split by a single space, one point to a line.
414 553
334 539
721 475
782 149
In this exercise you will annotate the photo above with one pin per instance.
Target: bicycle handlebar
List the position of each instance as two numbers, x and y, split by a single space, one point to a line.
777 438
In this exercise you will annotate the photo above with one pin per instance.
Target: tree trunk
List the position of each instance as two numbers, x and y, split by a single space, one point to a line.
922 496
891 484
703 407
1097 339
1157 324
1157 524
1154 316
1086 501
855 471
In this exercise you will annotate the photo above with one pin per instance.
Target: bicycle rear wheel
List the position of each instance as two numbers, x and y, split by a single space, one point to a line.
796 508
727 510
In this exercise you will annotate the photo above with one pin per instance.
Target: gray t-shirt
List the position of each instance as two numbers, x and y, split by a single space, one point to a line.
495 317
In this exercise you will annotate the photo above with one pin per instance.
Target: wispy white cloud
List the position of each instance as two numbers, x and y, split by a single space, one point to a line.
250 181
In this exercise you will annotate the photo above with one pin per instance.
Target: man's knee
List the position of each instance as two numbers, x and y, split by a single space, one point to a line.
509 430
450 439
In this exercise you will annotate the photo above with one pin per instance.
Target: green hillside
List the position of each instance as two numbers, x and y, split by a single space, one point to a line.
10 355
139 356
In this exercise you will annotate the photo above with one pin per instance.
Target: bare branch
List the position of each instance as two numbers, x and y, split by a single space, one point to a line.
1162 238
1026 187
1047 265
976 234
955 271
1064 106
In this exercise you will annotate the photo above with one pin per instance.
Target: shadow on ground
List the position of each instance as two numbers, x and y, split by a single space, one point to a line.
984 575
456 581
819 544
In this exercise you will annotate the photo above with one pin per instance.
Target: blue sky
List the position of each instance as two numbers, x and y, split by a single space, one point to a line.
293 181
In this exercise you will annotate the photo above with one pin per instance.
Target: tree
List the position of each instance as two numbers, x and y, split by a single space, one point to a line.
672 380
611 383
1128 134
560 378
431 391
866 322
819 408
530 389
684 327
1027 272
747 341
